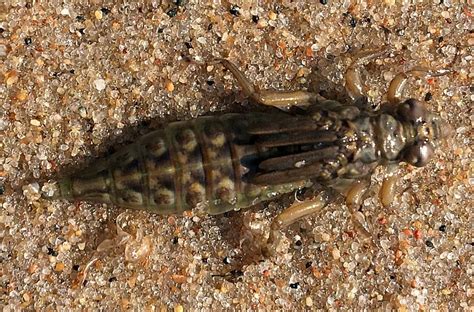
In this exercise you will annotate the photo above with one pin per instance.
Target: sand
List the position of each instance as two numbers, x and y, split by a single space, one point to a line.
77 79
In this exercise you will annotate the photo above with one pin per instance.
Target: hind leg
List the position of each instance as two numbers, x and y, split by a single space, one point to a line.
279 99
295 212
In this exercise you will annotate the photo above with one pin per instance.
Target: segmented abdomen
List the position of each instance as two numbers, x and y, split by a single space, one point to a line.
204 160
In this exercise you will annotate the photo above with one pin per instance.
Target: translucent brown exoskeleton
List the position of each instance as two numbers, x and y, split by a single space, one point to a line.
233 161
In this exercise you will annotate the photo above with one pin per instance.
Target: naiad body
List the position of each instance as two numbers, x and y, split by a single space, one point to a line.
234 161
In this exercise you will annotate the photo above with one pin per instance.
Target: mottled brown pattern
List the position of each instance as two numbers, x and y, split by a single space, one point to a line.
171 170
160 172
221 159
51 54
189 159
127 178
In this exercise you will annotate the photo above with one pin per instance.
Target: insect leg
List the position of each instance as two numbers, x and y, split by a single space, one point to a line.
279 99
398 83
354 85
354 197
388 190
292 214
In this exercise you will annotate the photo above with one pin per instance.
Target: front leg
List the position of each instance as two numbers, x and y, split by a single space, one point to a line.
279 99
354 84
398 83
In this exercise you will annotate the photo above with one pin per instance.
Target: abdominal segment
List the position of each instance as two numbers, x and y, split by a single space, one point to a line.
204 161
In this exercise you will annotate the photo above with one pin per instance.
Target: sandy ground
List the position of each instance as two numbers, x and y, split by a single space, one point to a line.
78 79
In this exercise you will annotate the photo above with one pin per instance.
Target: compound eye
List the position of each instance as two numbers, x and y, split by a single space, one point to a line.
419 154
412 110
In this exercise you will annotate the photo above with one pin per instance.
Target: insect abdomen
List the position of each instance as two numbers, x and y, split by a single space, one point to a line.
175 169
